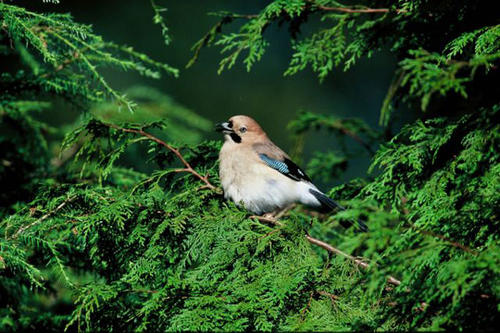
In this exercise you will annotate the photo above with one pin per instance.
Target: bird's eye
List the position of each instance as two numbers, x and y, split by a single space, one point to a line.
243 129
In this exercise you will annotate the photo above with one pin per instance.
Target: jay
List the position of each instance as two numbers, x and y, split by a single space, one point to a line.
258 175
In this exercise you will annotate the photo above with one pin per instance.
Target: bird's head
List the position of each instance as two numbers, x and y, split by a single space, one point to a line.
241 129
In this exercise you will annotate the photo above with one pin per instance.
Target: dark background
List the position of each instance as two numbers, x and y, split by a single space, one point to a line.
263 93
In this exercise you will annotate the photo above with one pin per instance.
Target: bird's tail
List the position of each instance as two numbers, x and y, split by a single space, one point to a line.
327 202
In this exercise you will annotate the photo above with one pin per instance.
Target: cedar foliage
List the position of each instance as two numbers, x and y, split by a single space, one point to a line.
88 244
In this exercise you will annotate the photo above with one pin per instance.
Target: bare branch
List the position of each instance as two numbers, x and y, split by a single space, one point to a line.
327 294
44 217
363 10
188 168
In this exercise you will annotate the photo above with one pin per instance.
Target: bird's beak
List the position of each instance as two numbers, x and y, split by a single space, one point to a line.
224 128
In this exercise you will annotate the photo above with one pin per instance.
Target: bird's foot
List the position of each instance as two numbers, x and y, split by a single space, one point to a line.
281 212
268 218
271 215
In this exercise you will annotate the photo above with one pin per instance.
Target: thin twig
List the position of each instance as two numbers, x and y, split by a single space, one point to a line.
327 294
390 279
446 239
467 249
269 233
361 11
332 249
64 64
188 168
358 139
41 219
302 313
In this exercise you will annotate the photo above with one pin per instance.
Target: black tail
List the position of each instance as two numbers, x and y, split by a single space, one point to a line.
327 202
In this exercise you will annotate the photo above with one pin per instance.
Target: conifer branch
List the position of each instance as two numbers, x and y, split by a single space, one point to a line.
327 294
445 239
354 10
63 64
351 10
358 139
162 260
187 167
44 217
328 247
158 19
359 262
92 68
433 234
210 36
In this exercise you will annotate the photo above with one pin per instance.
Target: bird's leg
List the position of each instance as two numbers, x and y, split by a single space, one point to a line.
270 216
273 217
267 217
280 213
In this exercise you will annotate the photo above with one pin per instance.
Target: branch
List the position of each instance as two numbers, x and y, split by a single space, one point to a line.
351 10
158 19
228 17
40 220
269 219
327 247
433 234
64 64
187 167
446 239
364 10
327 294
358 139
210 36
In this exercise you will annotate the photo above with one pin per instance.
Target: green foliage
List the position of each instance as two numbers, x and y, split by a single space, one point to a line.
342 128
326 166
429 65
430 73
158 19
89 243
181 124
250 38
318 49
441 177
63 57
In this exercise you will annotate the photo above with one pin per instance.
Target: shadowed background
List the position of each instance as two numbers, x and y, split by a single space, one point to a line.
263 93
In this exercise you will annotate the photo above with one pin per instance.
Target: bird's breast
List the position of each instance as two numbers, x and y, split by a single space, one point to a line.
249 182
238 172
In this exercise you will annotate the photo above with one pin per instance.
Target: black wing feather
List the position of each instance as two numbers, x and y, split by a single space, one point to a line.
291 170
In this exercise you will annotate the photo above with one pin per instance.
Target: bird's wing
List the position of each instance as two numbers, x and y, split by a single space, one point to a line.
275 158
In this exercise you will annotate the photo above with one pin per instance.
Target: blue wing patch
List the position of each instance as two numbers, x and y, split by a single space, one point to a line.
286 167
275 164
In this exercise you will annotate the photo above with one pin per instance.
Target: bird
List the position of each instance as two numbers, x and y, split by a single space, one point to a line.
256 174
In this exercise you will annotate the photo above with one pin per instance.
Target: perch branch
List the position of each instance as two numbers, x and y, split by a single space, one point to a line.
187 167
